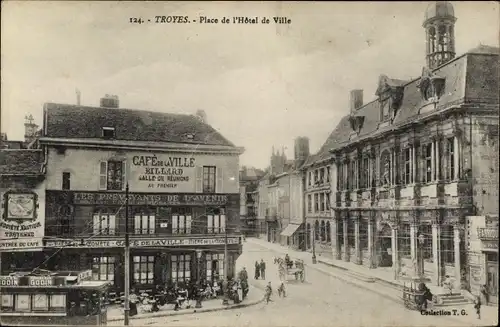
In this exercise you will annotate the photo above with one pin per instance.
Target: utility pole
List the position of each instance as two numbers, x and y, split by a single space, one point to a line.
127 261
225 301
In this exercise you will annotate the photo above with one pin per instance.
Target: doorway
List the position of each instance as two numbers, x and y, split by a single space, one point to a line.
385 246
492 276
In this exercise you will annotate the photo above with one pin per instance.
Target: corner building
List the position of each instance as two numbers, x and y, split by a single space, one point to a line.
183 194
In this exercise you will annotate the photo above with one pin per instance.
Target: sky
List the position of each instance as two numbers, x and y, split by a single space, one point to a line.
261 85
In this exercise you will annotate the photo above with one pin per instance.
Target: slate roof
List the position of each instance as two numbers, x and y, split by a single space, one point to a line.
72 121
21 162
472 77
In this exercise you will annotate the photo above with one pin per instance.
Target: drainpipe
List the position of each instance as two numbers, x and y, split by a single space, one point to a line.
474 211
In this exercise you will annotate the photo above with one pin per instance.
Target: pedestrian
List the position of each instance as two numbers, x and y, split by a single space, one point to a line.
257 270
239 290
243 274
477 306
484 295
263 269
281 290
268 292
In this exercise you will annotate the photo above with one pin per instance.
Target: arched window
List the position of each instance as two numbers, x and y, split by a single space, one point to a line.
328 231
316 230
323 236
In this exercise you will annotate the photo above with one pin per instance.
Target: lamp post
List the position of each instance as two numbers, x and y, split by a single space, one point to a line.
225 300
198 273
421 240
127 261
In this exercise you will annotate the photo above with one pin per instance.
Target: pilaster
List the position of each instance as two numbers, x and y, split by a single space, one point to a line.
371 240
357 245
456 248
346 239
337 255
436 252
395 251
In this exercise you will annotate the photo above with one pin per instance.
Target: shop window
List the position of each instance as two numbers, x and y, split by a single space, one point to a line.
112 175
23 302
209 179
144 269
447 244
322 201
216 221
181 268
103 268
104 223
144 223
215 266
7 302
58 302
428 163
66 181
40 302
426 231
182 221
405 241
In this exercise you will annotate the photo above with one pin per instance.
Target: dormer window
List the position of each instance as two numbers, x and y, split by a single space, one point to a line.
108 132
190 136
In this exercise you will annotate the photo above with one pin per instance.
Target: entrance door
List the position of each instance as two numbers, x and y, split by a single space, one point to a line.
385 247
492 278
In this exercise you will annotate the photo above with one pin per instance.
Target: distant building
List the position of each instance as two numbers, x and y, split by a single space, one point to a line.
249 181
31 134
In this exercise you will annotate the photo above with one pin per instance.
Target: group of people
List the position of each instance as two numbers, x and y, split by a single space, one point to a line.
260 269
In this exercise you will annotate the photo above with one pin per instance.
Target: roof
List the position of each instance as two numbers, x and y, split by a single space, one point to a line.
21 162
12 145
439 9
470 78
80 122
485 49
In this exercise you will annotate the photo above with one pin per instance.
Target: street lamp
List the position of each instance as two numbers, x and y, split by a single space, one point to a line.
421 241
198 273
314 246
225 283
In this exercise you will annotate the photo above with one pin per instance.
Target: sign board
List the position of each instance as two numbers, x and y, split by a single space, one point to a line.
37 281
156 172
140 243
21 227
9 281
109 198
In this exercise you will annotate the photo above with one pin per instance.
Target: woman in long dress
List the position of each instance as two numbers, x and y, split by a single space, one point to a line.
240 292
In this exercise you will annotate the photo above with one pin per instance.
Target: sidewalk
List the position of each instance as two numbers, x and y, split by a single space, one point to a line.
115 313
376 282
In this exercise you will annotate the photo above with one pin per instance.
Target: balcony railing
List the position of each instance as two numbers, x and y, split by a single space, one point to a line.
488 233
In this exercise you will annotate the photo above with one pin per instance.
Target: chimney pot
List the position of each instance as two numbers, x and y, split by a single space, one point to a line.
356 100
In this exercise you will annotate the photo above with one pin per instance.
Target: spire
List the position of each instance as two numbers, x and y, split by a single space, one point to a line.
273 150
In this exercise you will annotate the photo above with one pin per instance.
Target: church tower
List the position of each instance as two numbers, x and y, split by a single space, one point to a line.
439 27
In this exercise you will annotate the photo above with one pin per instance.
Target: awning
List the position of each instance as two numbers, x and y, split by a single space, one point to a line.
290 229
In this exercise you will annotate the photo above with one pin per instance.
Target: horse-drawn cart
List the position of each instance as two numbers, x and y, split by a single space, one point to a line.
295 269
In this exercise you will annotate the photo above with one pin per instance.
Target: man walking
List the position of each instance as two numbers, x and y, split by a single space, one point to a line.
263 269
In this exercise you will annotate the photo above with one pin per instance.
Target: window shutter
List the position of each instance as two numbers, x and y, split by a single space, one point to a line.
96 223
124 174
103 175
151 224
210 222
104 224
137 223
112 224
188 224
218 184
199 180
182 220
174 224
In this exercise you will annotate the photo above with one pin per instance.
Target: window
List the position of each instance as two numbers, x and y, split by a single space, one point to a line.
104 223
405 241
108 132
65 219
327 175
428 163
103 268
426 231
354 174
23 302
66 181
321 176
58 302
316 231
182 221
340 178
144 269
40 302
327 201
316 177
407 166
447 244
450 144
208 179
345 176
215 266
144 223
216 220
310 178
7 302
309 203
365 183
112 175
328 232
323 231
316 202
351 237
181 268
322 201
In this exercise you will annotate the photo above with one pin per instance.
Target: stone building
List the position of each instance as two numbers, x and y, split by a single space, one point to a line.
410 166
249 182
183 194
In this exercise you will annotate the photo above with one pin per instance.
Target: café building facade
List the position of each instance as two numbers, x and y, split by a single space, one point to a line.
182 199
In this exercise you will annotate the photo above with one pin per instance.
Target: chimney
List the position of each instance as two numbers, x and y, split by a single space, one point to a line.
356 100
301 150
110 101
202 115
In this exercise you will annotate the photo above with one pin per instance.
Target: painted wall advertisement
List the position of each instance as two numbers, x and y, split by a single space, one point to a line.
162 172
21 228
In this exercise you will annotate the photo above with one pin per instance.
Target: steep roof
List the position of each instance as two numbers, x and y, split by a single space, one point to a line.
72 121
470 78
21 162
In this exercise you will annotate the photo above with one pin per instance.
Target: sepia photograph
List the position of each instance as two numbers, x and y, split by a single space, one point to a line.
249 163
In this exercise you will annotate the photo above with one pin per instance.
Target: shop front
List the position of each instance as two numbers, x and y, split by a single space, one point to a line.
154 261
